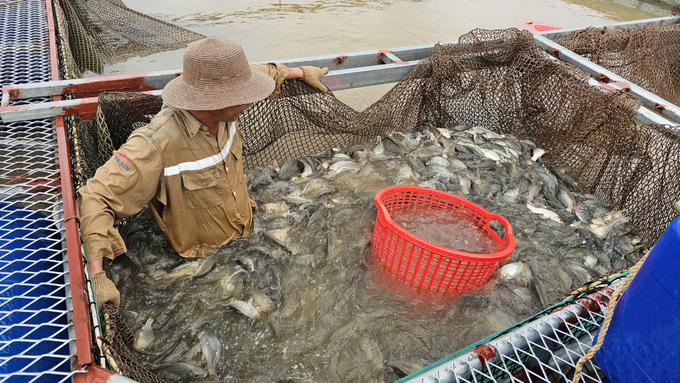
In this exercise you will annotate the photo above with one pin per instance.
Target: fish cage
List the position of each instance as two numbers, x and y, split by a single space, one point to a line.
49 331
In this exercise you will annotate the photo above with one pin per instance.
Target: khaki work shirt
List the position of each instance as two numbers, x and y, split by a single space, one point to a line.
193 183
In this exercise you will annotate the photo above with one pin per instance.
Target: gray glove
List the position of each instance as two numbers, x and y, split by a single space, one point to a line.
105 290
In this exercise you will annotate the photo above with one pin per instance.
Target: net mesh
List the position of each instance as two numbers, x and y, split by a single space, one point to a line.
106 31
500 80
116 340
648 56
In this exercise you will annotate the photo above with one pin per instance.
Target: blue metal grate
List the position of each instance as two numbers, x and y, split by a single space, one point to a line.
36 334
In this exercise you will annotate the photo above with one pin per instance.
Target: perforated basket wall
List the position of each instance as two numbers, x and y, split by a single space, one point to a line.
423 264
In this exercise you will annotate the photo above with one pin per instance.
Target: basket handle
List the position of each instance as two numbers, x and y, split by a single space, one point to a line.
504 221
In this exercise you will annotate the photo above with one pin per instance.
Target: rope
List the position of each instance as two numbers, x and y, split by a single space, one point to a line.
607 320
11 2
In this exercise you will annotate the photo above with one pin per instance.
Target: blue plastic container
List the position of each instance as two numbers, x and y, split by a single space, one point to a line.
643 341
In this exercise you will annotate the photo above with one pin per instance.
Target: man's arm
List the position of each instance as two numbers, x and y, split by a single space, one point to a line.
119 189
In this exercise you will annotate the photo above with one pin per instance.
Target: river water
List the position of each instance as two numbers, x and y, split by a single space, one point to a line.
274 30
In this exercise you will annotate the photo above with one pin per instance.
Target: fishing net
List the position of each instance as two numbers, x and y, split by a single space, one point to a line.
648 56
106 31
115 345
500 80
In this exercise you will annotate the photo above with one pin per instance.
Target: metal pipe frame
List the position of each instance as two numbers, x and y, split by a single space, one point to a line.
350 70
81 319
477 361
564 33
649 99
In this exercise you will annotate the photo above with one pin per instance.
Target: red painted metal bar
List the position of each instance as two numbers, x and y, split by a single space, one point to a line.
81 317
90 87
94 374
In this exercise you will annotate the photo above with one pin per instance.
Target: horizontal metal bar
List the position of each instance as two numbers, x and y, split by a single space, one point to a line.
341 61
157 80
138 82
643 114
361 59
649 99
335 80
464 365
564 33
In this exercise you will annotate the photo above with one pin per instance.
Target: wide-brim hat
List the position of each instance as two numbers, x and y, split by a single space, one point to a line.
216 75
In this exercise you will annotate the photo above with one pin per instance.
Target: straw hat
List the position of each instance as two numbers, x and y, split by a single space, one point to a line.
216 75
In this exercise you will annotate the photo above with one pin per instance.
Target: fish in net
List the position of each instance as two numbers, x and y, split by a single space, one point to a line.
500 80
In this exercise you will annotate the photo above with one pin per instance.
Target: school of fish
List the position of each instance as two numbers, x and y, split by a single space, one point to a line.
301 300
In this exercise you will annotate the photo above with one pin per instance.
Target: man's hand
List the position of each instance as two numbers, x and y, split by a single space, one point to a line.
312 76
104 290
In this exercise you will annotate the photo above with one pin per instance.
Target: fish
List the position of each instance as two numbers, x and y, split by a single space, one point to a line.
205 267
182 371
465 184
427 152
457 164
308 266
211 349
290 169
379 149
245 308
537 153
246 262
345 166
144 336
259 301
566 199
545 213
438 161
182 271
516 271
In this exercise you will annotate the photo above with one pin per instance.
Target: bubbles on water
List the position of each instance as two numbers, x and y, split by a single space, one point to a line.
446 229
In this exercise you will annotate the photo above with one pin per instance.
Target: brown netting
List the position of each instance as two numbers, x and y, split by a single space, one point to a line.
106 31
648 56
115 344
500 80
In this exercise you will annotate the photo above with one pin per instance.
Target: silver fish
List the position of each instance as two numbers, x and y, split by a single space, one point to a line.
465 183
205 267
437 161
566 200
345 166
182 371
245 308
545 213
247 263
538 153
144 337
211 349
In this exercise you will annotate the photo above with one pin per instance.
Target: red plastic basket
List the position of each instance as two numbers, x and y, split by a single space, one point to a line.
424 264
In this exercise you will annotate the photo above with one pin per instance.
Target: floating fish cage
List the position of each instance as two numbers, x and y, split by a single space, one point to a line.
48 328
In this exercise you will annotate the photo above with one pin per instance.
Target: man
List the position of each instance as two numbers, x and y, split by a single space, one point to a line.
187 163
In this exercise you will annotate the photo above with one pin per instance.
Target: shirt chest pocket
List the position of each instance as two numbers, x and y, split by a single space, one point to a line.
202 188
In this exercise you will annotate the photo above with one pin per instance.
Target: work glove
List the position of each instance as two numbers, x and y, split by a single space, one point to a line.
312 76
104 290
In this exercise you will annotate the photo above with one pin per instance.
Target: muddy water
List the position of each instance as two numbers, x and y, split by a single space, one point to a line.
272 30
442 228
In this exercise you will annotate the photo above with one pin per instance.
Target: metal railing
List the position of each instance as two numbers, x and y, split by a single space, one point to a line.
36 307
541 350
